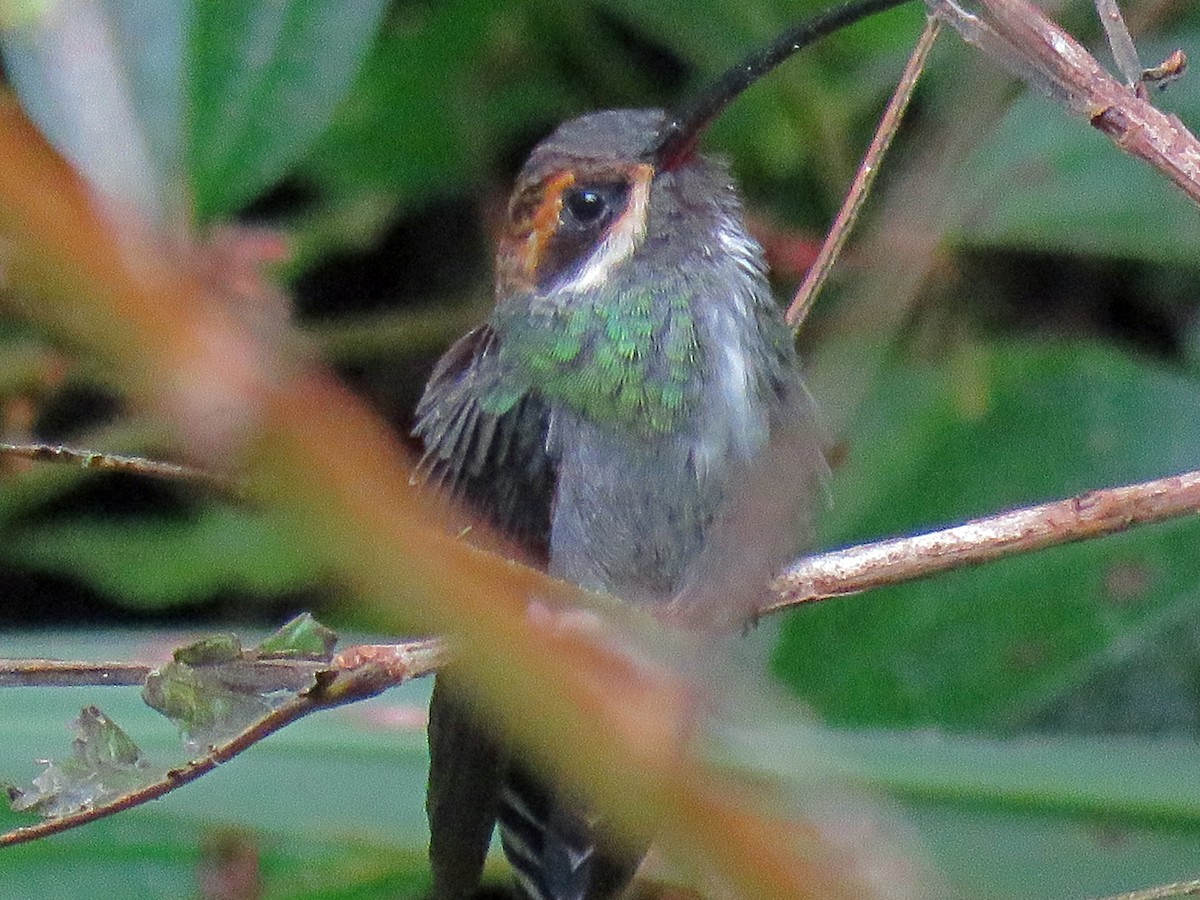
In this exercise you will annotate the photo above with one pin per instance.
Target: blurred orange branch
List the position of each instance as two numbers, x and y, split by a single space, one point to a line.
237 398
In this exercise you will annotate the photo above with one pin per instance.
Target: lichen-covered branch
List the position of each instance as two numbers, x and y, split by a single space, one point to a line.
1089 515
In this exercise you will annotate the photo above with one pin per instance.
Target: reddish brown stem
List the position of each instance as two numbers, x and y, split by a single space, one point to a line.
864 179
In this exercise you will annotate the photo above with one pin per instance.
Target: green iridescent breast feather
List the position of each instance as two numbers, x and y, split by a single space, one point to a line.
630 358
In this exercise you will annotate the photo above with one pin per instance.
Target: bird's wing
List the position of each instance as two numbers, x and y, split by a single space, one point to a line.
488 445
492 451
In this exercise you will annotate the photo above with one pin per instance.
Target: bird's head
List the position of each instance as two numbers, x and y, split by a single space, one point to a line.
604 186
599 191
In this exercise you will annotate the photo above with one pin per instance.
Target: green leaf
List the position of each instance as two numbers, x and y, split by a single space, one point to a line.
1034 817
997 646
264 79
334 803
104 764
217 648
99 741
406 126
206 706
301 638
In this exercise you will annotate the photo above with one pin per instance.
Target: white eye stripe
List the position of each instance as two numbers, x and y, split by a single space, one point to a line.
624 237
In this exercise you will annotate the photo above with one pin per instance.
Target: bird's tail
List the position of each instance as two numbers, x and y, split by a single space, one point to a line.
557 850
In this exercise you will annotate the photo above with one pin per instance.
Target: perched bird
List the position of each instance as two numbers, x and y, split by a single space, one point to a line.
614 416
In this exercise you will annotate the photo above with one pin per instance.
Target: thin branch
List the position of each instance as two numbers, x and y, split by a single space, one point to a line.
1088 515
355 674
327 465
824 576
363 671
268 674
1025 41
63 673
1019 37
864 179
113 462
290 712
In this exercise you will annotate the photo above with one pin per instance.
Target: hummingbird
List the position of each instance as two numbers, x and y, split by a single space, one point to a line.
614 416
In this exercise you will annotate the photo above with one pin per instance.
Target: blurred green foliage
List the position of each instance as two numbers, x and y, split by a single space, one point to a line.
263 80
998 426
370 135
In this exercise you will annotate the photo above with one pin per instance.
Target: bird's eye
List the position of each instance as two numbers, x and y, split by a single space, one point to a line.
585 206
